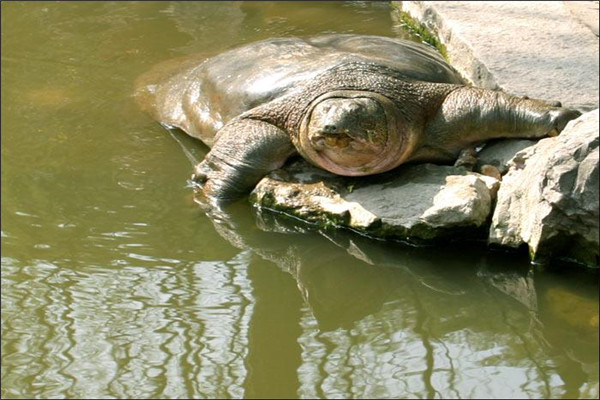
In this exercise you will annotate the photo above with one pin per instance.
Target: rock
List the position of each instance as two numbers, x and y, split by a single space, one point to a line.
462 200
549 197
500 153
585 12
533 48
418 203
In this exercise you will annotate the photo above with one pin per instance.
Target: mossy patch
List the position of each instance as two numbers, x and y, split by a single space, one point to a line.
421 31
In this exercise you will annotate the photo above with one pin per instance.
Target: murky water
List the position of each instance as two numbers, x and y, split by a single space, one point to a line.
115 284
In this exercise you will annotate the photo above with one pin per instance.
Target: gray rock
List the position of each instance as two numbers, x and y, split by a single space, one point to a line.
536 48
500 153
549 197
417 203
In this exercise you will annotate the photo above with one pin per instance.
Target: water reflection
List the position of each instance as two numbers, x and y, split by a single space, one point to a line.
383 320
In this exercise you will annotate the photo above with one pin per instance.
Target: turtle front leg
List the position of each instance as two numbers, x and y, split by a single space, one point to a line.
470 115
244 151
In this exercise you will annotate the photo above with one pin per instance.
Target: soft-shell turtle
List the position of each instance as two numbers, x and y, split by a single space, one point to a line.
351 104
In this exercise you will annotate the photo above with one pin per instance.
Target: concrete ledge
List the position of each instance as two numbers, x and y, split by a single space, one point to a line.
585 12
542 49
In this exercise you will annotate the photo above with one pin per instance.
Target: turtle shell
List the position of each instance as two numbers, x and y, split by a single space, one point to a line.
201 98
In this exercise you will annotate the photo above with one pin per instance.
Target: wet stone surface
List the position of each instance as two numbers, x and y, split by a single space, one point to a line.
417 203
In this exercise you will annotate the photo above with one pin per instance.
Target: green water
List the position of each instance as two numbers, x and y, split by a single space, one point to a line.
116 285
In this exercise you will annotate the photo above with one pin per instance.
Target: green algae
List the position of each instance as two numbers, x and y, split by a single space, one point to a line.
421 31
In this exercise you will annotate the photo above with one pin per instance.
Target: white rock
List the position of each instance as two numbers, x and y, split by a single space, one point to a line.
549 197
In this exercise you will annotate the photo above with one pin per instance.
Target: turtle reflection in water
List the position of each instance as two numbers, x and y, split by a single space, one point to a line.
353 105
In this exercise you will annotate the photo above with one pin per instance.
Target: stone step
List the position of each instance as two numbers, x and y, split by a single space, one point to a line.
542 49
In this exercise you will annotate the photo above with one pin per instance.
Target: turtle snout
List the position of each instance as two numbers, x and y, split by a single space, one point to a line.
560 118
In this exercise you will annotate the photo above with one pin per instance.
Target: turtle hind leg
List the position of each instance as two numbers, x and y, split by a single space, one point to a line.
245 150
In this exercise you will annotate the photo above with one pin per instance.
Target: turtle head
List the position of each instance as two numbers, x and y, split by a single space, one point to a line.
351 133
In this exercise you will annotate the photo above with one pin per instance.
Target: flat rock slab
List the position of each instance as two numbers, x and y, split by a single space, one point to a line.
416 203
542 49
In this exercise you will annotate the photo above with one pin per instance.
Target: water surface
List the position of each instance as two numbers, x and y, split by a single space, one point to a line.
116 284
